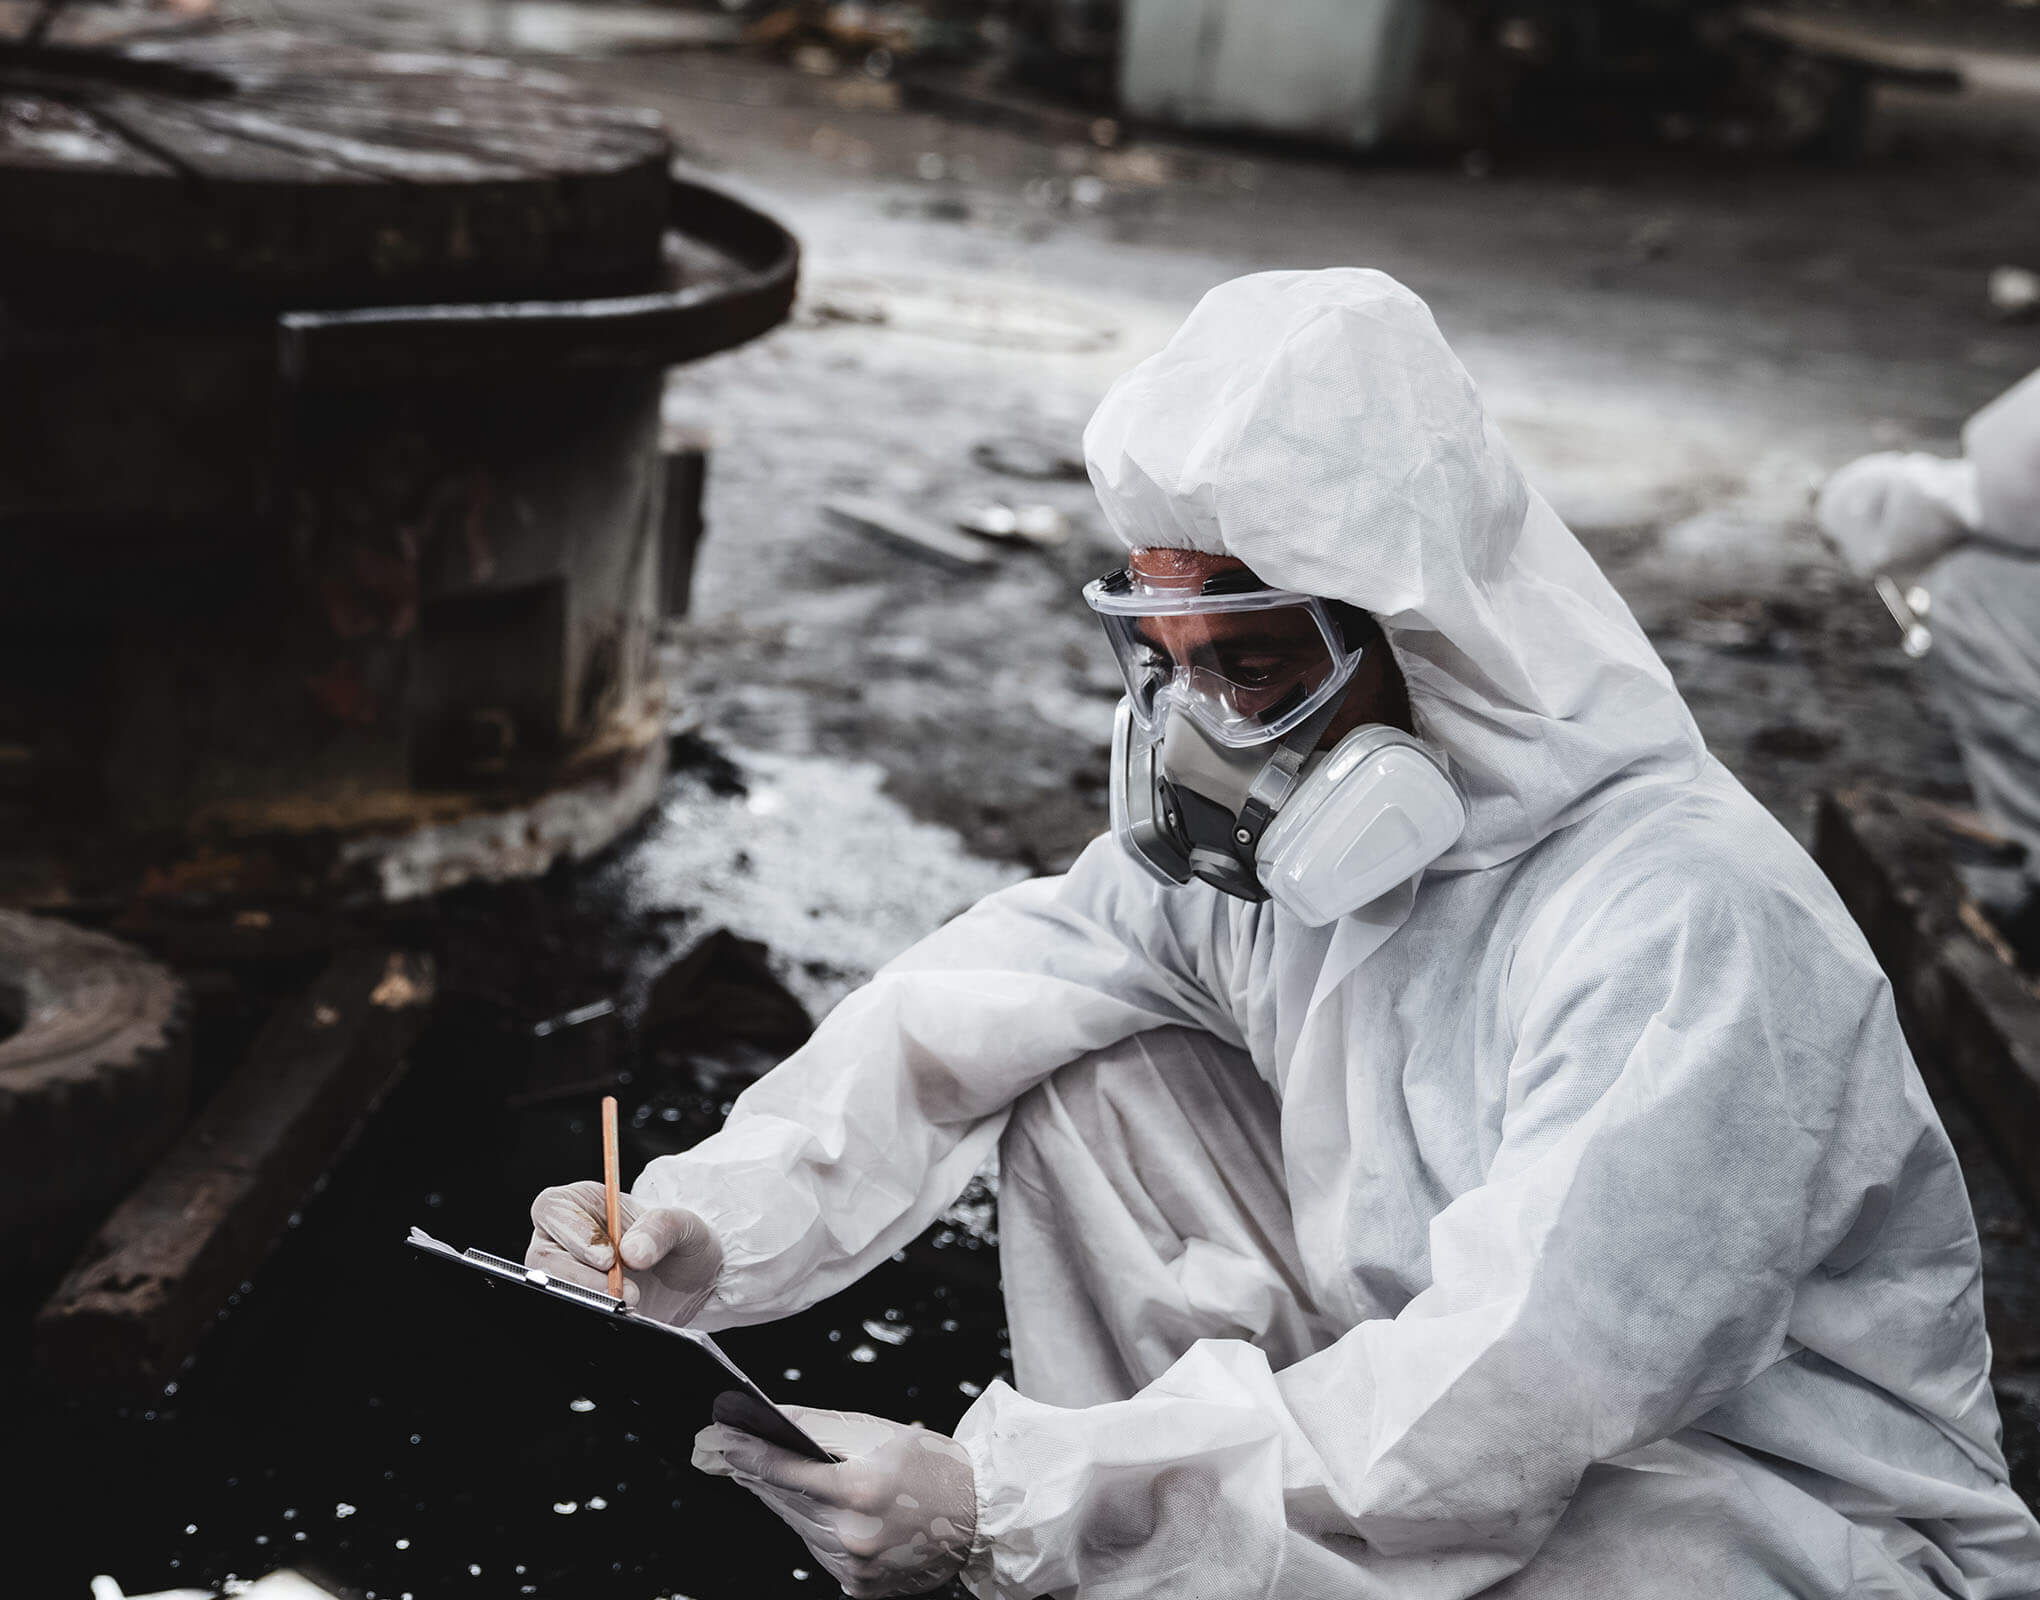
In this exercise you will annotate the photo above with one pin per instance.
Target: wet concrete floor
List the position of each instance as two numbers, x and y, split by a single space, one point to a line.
358 1417
1677 346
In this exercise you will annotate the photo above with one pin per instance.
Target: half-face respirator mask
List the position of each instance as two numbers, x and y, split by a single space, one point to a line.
1216 772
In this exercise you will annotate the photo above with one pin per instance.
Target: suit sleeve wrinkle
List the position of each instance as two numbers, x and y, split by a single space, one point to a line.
853 1144
1632 1257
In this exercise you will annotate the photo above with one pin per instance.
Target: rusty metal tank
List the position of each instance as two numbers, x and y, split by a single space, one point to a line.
331 497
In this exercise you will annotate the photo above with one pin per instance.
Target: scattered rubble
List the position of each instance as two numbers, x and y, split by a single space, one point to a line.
159 1270
573 1054
2014 293
823 38
1968 1010
974 310
723 992
1469 77
1018 456
95 1082
1793 741
1038 525
569 28
916 535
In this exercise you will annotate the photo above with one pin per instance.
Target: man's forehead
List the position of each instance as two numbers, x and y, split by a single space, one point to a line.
1165 564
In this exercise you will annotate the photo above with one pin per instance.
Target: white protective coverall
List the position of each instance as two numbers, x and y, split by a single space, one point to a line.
1572 1222
1970 530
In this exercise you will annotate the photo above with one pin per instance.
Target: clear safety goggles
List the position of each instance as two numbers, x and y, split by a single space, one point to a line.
1249 663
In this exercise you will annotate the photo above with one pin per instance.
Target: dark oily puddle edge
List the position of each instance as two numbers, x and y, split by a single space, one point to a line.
349 1418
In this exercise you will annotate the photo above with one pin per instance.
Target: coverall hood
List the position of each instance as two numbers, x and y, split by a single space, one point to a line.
2003 442
1316 426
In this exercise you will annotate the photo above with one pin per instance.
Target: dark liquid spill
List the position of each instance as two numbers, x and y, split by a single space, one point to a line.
352 1418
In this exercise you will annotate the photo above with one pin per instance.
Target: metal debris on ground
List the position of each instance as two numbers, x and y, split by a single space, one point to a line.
725 988
1017 456
572 1054
1969 1011
577 28
917 535
964 310
1039 525
155 1277
2014 293
822 38
1793 741
95 1082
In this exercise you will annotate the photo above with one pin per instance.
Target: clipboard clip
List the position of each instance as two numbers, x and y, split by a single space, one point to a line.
516 1272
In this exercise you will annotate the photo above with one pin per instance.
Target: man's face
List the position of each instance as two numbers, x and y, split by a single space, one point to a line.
1264 657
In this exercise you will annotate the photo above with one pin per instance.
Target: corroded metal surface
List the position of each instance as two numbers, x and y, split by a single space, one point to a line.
160 1269
95 1080
243 168
692 316
330 488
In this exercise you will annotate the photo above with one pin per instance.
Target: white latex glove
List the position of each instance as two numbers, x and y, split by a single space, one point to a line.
671 1258
1895 513
897 1515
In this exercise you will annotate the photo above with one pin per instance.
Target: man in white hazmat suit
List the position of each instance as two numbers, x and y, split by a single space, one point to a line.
1567 1219
1968 532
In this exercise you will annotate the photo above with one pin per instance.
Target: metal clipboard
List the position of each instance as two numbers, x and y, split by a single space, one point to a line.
743 1404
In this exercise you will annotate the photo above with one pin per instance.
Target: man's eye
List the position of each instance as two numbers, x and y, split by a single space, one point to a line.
1255 672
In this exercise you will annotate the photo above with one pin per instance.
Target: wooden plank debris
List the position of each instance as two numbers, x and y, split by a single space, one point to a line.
917 535
1967 1009
153 1279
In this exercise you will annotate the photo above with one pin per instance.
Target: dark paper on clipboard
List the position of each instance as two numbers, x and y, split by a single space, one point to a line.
645 1362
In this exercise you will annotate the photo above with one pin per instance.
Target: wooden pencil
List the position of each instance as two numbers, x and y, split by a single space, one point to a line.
612 1208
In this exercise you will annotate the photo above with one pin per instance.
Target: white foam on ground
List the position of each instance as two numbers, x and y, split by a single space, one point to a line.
815 861
280 1585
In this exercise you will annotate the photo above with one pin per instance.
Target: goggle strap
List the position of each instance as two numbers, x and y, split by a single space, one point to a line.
1235 580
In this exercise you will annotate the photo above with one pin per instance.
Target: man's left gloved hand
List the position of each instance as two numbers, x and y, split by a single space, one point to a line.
895 1516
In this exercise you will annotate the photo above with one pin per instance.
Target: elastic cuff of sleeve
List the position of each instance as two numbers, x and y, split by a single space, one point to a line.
978 1575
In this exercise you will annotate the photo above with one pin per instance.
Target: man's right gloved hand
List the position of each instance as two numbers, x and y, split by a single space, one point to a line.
670 1257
